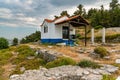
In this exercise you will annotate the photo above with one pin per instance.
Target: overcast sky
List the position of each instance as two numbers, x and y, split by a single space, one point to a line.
16 15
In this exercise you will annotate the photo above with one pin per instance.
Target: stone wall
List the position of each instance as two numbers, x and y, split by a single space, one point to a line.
66 73
48 55
115 29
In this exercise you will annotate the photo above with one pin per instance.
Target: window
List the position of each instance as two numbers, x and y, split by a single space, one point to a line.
45 29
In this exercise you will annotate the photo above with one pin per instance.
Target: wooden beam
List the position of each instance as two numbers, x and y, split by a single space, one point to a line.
85 35
77 23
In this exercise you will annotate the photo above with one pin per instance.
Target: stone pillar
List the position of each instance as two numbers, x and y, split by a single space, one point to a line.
92 36
103 35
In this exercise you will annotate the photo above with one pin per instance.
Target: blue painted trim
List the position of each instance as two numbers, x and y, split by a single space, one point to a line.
54 41
69 42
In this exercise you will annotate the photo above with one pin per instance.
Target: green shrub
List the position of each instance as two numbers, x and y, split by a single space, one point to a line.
28 65
22 48
23 52
101 51
15 42
1 70
61 61
3 43
98 27
5 55
108 77
88 63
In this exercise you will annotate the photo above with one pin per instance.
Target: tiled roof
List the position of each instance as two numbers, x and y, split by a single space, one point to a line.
48 20
71 18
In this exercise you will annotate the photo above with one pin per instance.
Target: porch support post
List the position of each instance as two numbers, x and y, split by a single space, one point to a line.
103 35
92 36
85 35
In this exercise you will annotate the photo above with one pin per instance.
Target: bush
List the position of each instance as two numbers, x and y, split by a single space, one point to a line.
15 42
5 55
31 38
29 64
3 43
88 63
61 61
1 72
101 51
108 77
98 27
24 51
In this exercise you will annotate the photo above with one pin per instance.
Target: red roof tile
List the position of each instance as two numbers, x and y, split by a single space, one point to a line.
73 17
48 20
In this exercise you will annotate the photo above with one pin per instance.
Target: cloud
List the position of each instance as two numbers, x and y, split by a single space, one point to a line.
30 13
5 13
8 24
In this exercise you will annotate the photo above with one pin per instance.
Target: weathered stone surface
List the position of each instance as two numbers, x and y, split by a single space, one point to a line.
65 73
117 61
48 55
22 69
118 78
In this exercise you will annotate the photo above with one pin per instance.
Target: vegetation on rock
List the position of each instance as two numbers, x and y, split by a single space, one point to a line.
60 62
5 55
88 63
29 65
108 77
101 51
23 51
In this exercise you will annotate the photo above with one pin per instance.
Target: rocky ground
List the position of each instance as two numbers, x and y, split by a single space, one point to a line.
51 52
66 73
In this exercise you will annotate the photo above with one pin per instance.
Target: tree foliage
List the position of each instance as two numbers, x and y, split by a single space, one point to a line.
99 17
105 18
3 43
15 41
31 38
64 13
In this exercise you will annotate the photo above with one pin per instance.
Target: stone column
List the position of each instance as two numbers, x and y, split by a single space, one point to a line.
92 36
103 35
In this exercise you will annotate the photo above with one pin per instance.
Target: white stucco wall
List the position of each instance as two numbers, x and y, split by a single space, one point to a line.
55 31
45 35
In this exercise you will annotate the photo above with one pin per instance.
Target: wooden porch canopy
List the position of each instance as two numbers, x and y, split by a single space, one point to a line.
76 21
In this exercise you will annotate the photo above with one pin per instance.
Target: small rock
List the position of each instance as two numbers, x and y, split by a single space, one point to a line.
107 57
94 77
13 76
118 78
31 57
96 72
47 74
61 44
50 46
117 61
22 69
86 72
